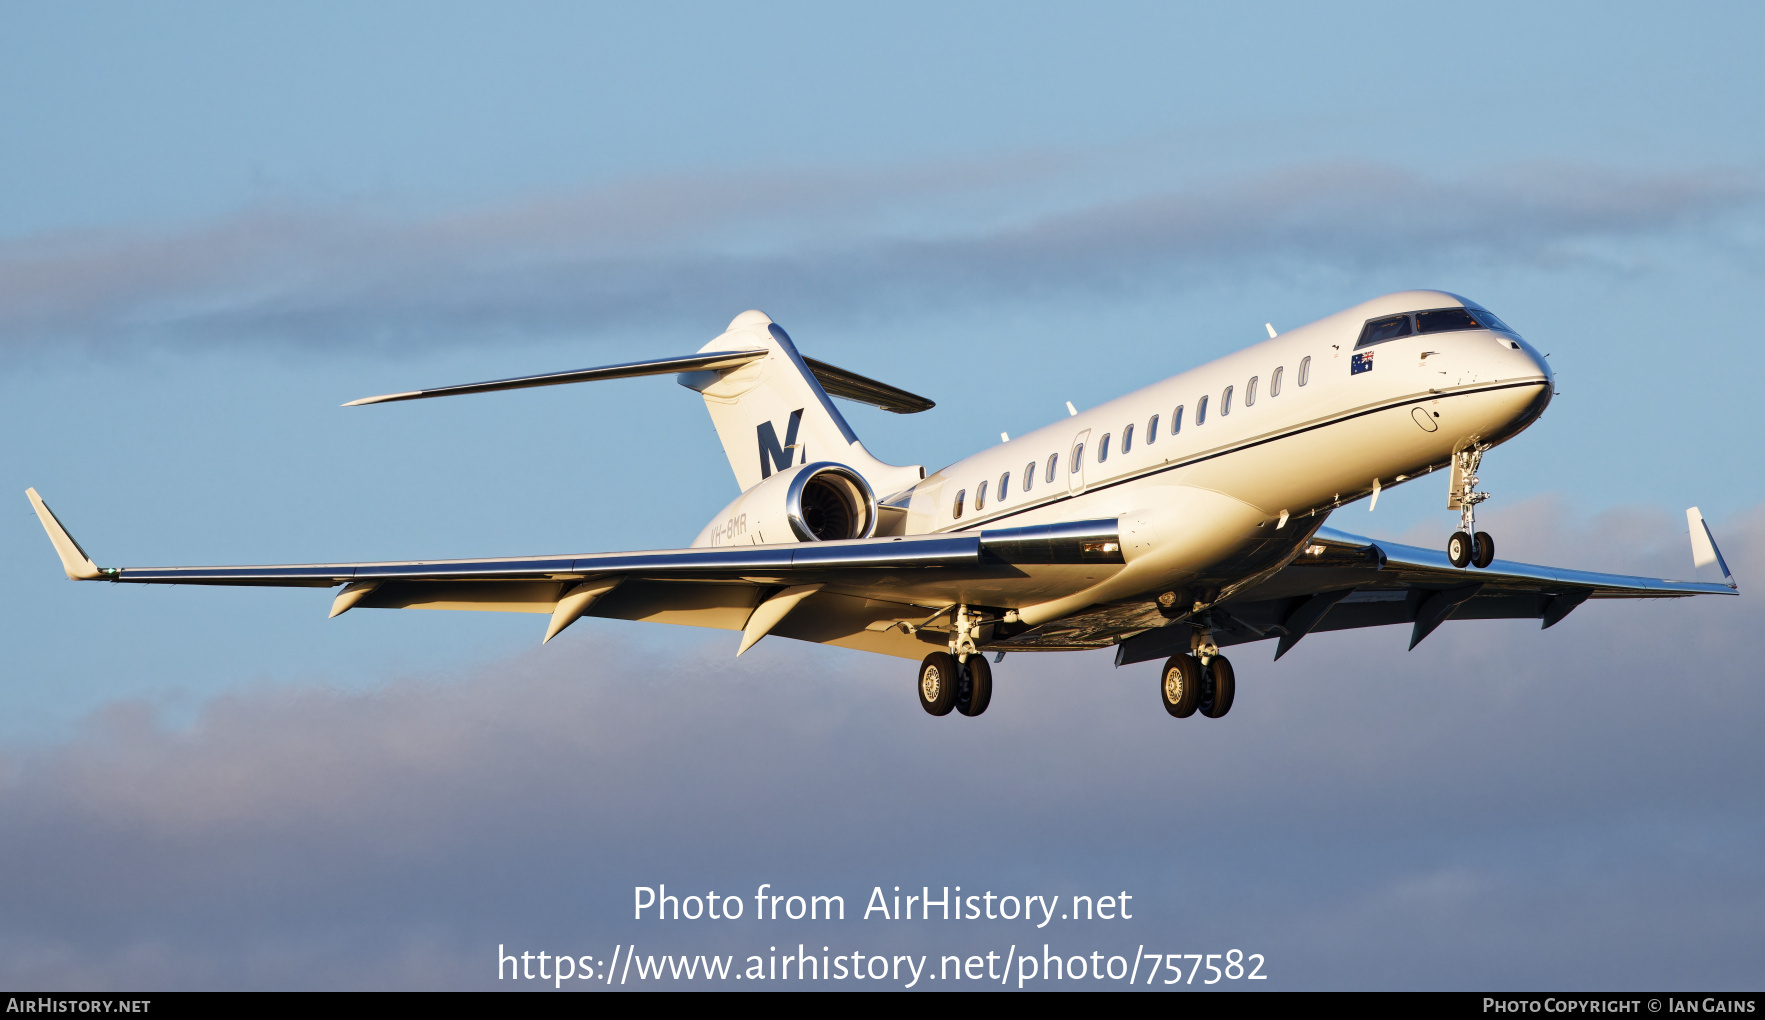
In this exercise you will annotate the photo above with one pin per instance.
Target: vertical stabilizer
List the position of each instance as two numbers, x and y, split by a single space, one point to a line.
772 413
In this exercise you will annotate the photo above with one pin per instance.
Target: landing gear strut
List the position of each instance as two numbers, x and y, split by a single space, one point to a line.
1468 546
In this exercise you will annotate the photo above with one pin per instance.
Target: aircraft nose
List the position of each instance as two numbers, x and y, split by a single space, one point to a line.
1524 361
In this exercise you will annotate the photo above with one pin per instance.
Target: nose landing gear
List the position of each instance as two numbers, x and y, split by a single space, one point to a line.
1468 546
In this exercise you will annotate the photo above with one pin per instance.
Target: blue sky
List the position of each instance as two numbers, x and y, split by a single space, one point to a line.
221 222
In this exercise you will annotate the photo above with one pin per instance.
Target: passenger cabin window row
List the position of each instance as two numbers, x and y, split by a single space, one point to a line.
1051 470
1437 320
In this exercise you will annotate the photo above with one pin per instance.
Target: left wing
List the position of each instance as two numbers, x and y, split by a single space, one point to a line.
1341 582
851 593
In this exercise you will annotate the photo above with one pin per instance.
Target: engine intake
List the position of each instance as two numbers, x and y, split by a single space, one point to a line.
820 502
828 502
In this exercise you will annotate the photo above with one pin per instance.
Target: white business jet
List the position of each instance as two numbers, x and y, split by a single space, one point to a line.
1182 518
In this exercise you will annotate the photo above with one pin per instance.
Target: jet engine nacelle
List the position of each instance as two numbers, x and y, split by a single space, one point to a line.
821 502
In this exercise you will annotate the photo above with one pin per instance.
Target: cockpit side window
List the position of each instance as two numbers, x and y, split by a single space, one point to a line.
1377 331
1445 320
1489 320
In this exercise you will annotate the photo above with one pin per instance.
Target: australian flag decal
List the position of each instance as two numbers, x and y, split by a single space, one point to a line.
1361 363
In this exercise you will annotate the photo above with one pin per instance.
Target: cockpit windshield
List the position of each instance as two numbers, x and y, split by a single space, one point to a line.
1445 320
1436 320
1377 331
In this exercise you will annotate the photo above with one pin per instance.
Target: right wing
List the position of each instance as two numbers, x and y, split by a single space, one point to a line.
1344 582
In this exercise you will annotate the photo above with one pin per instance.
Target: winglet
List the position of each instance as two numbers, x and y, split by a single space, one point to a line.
1703 546
74 561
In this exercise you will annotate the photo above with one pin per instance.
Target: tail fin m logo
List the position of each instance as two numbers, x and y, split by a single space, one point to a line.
773 454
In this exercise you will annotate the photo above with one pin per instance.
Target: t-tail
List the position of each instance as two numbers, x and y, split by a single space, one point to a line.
774 412
770 405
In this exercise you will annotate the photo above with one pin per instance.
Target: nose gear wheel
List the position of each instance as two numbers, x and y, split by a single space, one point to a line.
1460 549
1468 546
1485 554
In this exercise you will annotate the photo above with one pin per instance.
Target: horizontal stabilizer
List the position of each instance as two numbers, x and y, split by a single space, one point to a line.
1703 546
74 561
703 362
840 383
836 381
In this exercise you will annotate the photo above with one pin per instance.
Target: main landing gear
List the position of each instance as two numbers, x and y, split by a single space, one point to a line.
1200 679
959 678
945 683
1468 546
1187 684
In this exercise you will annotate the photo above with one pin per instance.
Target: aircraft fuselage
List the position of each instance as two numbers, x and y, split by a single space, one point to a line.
1222 471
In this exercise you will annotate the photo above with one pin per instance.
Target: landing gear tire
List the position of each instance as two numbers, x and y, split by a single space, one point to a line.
976 690
1180 685
1460 549
1217 692
938 680
1485 554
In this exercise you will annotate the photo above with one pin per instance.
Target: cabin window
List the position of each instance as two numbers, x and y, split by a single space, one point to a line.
1226 402
1275 383
1377 331
1102 450
1053 462
1250 392
1201 411
1128 436
1152 431
1304 370
980 496
1004 486
1078 458
1177 420
1029 476
956 509
1445 320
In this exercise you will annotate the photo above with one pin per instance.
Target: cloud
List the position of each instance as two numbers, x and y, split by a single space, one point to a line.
1500 807
690 249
